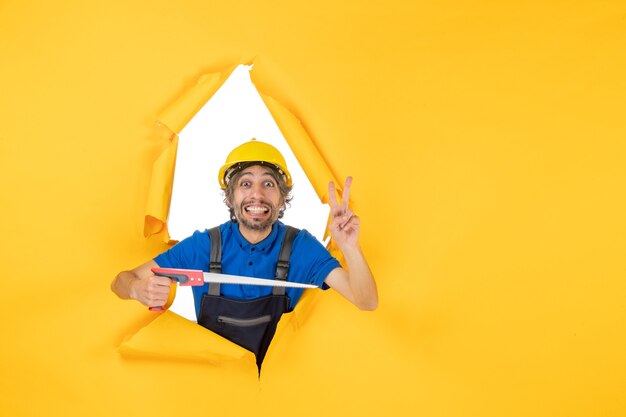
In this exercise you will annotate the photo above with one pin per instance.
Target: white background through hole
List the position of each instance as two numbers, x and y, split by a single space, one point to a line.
235 114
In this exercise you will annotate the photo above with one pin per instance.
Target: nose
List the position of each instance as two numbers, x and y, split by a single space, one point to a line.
257 190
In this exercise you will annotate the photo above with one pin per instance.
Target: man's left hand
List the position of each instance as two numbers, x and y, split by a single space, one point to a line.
345 225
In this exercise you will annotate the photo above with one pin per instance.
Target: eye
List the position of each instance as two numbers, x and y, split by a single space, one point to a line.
244 184
269 184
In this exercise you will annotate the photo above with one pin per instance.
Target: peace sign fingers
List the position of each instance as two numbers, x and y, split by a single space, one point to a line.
345 197
336 208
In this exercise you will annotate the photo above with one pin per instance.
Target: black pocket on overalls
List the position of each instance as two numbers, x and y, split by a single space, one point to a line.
232 321
249 323
248 332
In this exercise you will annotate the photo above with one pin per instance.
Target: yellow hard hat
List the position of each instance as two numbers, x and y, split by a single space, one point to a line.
253 151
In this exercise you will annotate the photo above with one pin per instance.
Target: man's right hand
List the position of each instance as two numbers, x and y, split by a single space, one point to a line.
142 285
152 291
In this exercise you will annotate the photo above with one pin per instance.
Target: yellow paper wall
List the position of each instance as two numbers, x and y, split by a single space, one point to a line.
486 140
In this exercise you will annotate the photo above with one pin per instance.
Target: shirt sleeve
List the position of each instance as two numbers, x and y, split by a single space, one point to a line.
190 253
315 262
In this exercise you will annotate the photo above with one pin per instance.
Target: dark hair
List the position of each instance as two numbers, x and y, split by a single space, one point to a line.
285 190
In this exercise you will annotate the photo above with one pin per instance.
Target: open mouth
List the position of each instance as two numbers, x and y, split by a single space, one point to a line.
256 209
256 215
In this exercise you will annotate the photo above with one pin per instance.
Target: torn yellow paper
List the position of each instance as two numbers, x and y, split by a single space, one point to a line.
160 191
174 118
315 167
181 111
171 336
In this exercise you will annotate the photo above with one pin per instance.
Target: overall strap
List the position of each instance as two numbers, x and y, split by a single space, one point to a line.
215 264
282 268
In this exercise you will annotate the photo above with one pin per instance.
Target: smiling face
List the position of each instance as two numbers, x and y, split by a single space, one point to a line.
256 200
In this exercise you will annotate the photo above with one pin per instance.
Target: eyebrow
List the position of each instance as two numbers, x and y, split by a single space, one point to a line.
266 173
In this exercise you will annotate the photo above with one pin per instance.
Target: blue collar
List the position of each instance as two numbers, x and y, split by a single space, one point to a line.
264 245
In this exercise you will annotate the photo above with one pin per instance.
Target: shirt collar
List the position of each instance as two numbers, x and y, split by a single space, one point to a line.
264 245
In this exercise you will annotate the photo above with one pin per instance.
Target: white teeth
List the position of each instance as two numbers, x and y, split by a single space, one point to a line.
256 209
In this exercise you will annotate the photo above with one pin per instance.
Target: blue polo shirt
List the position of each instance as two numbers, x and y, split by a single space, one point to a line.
310 262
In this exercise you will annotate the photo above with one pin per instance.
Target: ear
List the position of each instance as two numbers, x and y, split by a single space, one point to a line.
227 200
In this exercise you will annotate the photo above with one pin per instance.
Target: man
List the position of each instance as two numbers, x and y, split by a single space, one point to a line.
257 186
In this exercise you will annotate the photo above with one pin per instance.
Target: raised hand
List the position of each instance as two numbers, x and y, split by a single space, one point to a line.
345 225
356 282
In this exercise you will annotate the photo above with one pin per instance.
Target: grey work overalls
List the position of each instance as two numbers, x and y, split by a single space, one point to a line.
248 323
